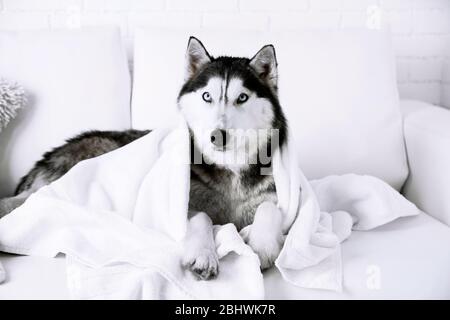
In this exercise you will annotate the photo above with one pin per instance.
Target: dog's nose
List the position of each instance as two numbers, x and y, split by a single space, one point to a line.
219 138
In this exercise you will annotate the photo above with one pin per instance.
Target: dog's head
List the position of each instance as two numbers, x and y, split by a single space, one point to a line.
231 105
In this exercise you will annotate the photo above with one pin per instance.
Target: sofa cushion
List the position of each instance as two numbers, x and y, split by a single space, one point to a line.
427 136
75 80
338 90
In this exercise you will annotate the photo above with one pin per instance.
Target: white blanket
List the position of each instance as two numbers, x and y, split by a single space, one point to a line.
2 273
120 220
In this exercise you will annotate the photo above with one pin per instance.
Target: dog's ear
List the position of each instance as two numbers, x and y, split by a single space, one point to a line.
265 64
196 57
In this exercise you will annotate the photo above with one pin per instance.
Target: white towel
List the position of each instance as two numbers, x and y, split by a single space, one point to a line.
2 273
120 219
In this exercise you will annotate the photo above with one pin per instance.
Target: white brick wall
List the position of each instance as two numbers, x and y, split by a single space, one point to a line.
421 28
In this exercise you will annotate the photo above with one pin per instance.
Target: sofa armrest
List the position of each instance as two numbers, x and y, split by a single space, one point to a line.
427 137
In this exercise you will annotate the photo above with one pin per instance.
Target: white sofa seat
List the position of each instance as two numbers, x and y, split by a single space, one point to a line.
29 277
406 259
408 255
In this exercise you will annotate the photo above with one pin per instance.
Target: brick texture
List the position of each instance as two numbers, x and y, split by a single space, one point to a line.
420 28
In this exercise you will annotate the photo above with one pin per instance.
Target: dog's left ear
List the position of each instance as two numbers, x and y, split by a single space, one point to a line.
265 64
196 57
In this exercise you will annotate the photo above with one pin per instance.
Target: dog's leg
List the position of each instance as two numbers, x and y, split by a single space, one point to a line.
200 254
9 204
266 237
35 182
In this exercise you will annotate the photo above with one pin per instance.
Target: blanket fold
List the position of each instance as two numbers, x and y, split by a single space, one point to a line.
120 219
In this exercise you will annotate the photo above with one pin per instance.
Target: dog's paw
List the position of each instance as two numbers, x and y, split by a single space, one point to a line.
266 249
204 265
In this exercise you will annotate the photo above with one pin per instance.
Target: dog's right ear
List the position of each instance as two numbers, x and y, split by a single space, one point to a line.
196 57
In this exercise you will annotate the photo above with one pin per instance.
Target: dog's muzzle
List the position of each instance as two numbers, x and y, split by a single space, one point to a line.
219 138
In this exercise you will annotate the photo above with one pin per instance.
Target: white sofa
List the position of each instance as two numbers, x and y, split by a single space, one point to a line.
79 80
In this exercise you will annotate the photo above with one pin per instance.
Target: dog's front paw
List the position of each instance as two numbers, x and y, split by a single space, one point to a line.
204 265
266 249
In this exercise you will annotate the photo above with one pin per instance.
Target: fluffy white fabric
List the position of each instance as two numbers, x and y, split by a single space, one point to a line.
2 273
12 98
120 219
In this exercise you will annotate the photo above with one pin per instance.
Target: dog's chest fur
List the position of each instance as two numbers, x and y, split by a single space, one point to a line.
228 197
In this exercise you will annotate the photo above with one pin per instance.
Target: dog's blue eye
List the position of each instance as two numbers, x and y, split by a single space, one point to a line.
242 98
206 97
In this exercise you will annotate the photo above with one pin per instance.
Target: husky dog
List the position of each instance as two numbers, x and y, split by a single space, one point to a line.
236 123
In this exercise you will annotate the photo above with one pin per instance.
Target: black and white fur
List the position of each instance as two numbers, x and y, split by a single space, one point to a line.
221 98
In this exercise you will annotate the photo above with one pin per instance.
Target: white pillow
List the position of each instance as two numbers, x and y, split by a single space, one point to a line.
75 80
338 90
